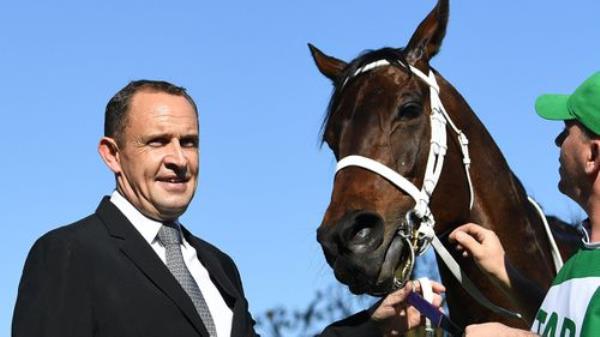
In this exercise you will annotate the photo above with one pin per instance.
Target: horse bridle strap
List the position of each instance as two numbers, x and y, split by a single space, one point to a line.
421 198
435 162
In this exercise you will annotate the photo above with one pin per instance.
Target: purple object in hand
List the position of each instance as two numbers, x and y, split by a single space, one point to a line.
434 314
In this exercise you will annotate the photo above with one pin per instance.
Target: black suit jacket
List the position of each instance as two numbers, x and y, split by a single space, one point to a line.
99 277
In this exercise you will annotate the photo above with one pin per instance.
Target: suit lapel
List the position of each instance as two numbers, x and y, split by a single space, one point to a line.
230 293
133 245
215 269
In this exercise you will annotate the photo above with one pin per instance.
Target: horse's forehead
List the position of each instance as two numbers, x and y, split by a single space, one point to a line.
383 86
372 98
369 94
387 71
377 90
395 78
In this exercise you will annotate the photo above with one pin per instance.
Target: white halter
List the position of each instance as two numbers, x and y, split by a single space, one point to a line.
435 162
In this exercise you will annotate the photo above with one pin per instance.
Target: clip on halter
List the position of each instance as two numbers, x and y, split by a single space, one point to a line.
402 273
417 239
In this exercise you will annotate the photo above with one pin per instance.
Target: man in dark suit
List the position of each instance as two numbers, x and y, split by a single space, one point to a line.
131 269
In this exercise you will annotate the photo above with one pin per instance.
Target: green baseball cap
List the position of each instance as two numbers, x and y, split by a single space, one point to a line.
582 105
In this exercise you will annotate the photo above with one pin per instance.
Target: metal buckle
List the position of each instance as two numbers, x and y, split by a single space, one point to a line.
408 233
402 273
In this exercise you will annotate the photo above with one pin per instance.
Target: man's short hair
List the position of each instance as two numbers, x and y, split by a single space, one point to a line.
588 133
117 109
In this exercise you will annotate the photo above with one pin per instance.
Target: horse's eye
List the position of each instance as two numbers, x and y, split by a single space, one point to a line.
409 111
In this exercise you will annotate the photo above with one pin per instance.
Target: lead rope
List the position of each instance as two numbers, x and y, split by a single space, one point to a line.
427 292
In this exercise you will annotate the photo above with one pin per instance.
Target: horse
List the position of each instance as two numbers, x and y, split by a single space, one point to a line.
381 109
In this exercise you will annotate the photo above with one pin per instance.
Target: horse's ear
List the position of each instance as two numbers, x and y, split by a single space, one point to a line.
329 66
427 39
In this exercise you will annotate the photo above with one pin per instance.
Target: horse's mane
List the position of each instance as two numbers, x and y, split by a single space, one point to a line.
395 56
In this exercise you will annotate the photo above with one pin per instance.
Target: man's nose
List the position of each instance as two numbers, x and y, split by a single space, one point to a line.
176 156
560 138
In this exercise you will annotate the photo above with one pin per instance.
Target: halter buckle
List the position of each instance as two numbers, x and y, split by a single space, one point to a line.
417 230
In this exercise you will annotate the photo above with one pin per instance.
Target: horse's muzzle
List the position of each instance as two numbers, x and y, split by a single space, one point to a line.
356 249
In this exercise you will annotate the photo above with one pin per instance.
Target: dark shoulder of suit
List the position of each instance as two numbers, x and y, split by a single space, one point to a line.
99 277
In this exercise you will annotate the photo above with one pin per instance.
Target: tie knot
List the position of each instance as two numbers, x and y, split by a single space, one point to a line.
169 235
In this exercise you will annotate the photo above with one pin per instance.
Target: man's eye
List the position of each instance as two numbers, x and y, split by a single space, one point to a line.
189 143
157 142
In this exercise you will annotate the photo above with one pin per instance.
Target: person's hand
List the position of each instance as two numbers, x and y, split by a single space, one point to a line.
496 330
485 248
395 316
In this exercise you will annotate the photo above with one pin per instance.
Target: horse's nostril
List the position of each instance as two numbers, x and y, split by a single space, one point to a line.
362 227
363 232
368 219
358 232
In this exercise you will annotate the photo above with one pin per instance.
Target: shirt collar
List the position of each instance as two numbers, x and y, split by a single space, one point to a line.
147 227
585 229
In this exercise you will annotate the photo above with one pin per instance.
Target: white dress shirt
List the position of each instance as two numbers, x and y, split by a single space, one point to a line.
148 228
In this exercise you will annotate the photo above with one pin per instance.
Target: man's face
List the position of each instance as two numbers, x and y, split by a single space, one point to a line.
574 153
158 155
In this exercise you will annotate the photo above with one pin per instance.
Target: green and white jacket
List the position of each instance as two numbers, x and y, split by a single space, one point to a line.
572 306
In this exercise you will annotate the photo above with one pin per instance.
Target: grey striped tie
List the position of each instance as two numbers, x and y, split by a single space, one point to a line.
170 237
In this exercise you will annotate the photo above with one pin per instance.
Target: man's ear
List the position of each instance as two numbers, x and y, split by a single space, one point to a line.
109 152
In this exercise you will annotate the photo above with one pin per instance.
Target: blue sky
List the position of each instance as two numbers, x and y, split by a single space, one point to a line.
264 181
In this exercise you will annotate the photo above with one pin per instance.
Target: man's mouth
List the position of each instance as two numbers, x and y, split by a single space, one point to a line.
174 184
173 180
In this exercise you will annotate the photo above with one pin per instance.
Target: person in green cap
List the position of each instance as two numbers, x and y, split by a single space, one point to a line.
572 305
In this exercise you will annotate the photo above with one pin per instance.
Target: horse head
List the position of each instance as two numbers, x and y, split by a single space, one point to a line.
380 109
